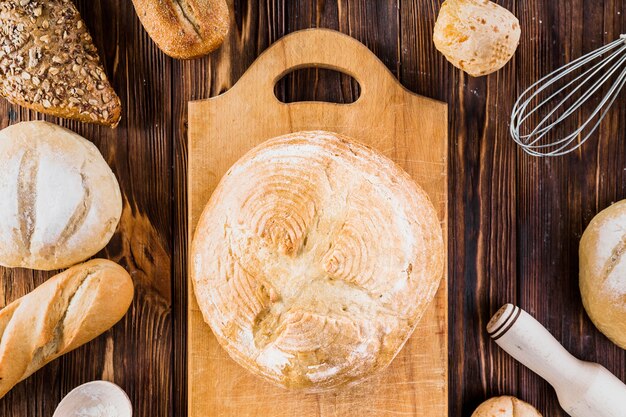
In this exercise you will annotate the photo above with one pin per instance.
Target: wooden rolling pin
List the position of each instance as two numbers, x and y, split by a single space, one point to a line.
584 389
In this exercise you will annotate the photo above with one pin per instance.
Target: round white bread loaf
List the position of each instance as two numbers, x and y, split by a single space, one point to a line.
477 36
505 407
60 200
314 260
603 272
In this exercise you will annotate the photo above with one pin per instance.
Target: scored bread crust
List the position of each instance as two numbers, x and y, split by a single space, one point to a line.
61 202
67 311
506 406
603 272
48 63
477 36
185 29
314 260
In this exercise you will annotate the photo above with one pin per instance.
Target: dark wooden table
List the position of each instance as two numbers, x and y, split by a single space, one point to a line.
515 221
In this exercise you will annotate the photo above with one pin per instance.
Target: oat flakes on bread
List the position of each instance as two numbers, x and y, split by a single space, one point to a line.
48 62
185 29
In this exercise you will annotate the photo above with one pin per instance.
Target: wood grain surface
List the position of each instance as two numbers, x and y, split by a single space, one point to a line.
515 221
409 129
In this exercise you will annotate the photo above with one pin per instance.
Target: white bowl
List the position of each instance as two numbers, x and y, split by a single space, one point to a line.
95 399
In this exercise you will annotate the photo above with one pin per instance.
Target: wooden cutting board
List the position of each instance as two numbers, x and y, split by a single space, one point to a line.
411 130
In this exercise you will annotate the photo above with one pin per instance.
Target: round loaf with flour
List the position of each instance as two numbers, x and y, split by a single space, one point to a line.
60 200
603 272
314 260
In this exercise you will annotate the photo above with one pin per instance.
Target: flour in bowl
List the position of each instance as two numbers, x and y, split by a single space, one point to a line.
99 410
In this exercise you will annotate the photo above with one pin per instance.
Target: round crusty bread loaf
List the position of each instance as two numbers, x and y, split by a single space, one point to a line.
603 272
314 260
60 200
477 36
505 407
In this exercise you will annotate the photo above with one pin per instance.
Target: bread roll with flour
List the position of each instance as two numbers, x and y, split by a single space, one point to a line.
68 310
603 272
60 200
477 36
314 260
505 406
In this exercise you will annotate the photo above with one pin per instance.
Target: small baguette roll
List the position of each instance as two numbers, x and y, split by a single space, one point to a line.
505 407
184 29
65 312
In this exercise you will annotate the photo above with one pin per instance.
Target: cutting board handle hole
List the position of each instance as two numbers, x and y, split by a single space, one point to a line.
317 84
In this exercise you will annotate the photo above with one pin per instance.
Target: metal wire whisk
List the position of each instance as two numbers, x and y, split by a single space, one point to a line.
559 96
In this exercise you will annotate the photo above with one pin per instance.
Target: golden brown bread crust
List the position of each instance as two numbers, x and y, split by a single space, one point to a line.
185 29
603 272
314 260
67 311
48 63
477 36
506 406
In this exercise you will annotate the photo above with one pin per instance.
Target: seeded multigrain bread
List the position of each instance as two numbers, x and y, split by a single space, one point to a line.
49 63
184 29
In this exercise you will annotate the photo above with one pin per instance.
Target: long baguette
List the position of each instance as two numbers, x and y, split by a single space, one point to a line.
67 311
